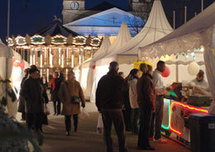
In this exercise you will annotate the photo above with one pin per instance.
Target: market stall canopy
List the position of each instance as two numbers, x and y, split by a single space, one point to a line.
106 23
5 51
186 37
56 29
103 50
156 27
123 37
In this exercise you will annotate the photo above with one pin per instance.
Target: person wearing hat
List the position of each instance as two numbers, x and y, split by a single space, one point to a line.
200 85
32 94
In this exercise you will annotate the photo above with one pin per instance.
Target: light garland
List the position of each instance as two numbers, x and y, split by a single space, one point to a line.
20 40
37 40
10 42
58 40
95 41
79 40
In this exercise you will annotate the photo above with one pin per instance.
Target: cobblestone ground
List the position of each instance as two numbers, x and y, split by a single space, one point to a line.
87 140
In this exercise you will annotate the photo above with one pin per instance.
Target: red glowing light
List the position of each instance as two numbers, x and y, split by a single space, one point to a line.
187 107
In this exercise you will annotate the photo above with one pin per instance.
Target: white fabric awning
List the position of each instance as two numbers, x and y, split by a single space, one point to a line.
5 51
186 37
156 27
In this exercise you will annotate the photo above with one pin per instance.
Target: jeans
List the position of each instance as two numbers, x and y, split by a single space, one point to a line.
68 122
134 119
34 120
158 116
57 106
145 125
116 117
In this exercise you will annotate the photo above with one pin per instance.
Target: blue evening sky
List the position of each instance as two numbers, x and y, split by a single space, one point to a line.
39 13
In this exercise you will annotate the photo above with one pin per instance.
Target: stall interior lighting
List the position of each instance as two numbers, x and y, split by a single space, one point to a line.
185 106
169 103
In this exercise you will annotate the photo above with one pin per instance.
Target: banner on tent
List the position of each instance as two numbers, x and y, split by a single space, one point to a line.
137 64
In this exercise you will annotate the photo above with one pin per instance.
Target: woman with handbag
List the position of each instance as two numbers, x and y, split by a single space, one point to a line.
71 95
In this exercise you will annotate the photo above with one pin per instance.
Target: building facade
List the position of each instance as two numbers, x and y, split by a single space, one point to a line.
76 9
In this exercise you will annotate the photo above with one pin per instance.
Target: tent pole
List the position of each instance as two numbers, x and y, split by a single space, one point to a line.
173 19
202 5
8 33
177 71
185 14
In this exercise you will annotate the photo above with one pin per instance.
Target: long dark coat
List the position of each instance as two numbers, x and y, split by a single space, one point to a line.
32 94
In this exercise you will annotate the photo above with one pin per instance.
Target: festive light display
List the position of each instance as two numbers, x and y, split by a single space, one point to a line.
79 40
37 40
192 109
58 39
187 109
167 102
20 40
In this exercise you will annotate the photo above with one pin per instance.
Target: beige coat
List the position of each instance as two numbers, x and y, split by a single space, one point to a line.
67 90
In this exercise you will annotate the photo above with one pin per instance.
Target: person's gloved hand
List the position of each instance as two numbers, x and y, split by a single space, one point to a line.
83 105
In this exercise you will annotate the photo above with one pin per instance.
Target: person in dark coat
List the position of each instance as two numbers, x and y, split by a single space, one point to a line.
32 94
126 108
21 107
109 100
146 101
44 84
55 86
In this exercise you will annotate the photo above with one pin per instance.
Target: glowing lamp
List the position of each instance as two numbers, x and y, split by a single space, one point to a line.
166 72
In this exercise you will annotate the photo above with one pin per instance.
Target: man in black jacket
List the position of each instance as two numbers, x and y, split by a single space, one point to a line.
109 102
32 93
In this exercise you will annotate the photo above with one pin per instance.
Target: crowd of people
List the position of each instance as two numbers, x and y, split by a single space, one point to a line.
134 103
34 99
127 102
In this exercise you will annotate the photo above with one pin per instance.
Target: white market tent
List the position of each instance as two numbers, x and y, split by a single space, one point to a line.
102 63
89 66
6 55
199 31
156 27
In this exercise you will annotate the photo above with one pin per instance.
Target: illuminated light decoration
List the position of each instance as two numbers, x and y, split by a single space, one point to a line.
95 41
59 57
20 40
187 107
10 42
41 60
80 57
79 40
193 54
62 60
51 56
202 49
168 101
37 40
58 40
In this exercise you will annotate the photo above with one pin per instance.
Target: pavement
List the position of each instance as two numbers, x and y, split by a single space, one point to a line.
87 139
